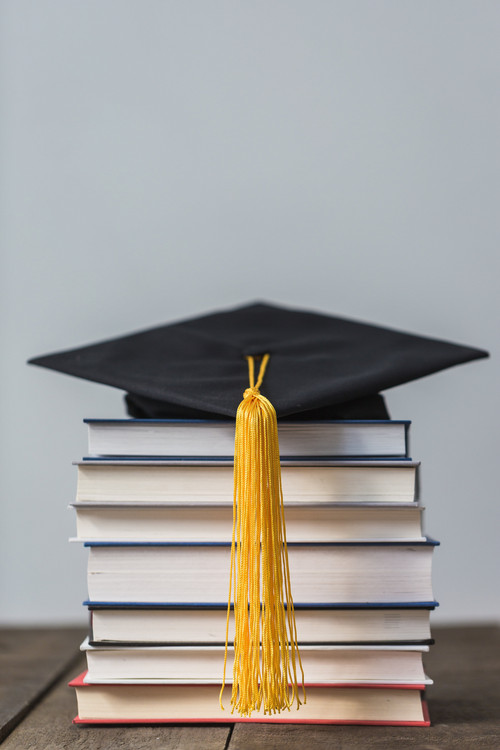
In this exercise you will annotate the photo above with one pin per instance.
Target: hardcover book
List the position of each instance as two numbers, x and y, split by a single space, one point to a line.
389 623
178 437
185 573
198 482
157 704
202 664
189 524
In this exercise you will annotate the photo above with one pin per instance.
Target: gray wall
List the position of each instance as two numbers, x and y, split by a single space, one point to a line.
160 159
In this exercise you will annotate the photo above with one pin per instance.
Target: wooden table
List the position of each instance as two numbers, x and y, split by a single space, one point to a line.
36 706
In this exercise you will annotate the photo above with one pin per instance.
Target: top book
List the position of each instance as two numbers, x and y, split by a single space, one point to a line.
177 438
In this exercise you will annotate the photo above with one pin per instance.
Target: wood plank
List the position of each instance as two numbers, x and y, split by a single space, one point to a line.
463 704
49 726
31 660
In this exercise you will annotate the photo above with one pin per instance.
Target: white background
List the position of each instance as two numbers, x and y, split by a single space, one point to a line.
161 159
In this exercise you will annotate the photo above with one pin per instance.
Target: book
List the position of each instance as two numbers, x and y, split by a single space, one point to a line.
184 482
178 437
165 624
343 572
174 703
204 664
312 523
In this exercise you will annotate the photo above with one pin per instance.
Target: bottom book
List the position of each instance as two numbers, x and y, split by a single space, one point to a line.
180 703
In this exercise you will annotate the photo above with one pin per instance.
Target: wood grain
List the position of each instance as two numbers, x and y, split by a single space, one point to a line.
49 727
31 660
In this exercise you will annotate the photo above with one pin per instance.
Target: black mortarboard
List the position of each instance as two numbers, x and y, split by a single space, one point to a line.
320 366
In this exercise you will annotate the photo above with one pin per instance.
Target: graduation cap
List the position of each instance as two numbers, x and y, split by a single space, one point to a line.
320 366
314 366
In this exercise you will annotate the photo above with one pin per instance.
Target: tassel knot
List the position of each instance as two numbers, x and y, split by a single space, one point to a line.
251 392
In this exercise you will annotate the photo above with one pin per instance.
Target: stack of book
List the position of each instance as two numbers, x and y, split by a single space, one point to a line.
154 506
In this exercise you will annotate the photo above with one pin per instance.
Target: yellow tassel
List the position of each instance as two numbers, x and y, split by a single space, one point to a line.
266 656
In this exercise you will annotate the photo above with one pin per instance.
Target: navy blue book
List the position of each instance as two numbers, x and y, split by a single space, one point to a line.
331 573
197 437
